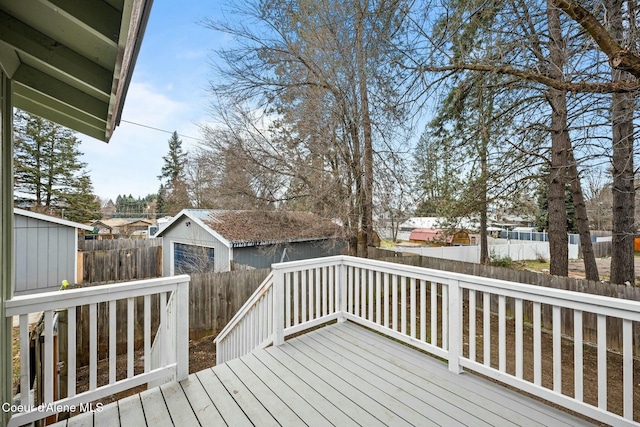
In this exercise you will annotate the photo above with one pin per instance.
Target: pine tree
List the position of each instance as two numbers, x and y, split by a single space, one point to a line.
173 188
82 204
48 170
161 204
174 162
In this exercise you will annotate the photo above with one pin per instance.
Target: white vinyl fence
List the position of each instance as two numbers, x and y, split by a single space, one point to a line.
516 250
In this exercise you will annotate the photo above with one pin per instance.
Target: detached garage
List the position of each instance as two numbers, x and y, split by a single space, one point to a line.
46 251
218 240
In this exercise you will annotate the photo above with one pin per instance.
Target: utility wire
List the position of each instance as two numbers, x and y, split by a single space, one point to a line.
160 130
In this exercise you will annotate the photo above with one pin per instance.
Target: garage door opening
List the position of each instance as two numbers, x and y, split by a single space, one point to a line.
188 259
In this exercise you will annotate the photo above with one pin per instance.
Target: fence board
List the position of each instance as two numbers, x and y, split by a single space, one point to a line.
133 259
116 244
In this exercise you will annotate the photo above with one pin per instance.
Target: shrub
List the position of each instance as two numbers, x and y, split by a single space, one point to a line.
500 261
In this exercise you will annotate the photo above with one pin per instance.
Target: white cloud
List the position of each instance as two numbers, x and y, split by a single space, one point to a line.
132 160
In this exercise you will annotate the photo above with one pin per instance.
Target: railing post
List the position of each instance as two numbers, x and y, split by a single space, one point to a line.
182 330
6 240
455 326
278 307
342 289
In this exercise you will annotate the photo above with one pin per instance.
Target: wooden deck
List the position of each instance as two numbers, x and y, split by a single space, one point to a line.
339 375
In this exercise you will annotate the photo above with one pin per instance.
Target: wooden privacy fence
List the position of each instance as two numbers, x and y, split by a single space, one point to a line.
600 249
115 244
119 260
214 298
614 331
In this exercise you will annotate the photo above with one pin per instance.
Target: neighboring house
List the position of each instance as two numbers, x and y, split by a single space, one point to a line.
161 224
46 251
417 222
101 227
439 237
122 226
217 240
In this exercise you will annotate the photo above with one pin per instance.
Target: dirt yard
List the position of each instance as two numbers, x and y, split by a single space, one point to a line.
576 267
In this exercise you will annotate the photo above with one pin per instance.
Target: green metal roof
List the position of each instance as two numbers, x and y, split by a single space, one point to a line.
71 60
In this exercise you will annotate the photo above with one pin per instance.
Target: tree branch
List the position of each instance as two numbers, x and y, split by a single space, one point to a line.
582 87
619 58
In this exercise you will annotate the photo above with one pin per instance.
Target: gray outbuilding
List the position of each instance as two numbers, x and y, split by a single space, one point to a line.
46 251
199 240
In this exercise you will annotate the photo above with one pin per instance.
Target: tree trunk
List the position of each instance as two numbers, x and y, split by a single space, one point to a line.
484 241
367 154
356 168
622 106
485 107
622 251
590 266
558 239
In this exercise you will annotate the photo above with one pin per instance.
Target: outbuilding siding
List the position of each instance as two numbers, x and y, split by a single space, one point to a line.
195 235
45 255
264 256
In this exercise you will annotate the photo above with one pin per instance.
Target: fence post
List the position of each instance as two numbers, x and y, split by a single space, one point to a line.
278 307
182 330
455 326
342 288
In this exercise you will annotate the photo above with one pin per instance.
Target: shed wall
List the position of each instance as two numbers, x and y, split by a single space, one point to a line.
191 235
45 255
264 256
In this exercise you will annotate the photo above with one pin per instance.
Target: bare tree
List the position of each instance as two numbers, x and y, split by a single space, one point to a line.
202 178
329 59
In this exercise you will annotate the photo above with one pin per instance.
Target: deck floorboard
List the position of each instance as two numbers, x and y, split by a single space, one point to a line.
476 391
130 409
203 407
341 375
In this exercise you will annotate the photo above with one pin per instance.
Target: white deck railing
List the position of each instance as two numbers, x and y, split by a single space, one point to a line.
172 339
251 327
466 320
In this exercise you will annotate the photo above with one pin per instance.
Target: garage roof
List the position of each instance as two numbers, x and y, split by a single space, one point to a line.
71 60
240 228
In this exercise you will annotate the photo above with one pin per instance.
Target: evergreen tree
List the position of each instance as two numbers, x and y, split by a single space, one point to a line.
174 162
173 176
542 213
161 204
48 170
437 172
82 204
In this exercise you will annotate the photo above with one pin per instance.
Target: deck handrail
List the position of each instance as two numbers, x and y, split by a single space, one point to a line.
440 312
264 286
259 294
175 366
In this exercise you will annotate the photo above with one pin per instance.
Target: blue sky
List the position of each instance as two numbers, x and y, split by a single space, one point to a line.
168 91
